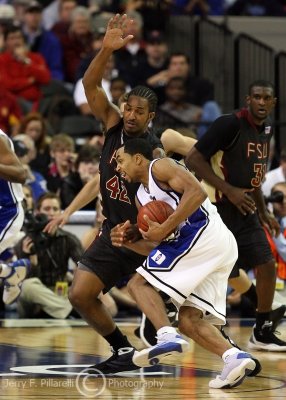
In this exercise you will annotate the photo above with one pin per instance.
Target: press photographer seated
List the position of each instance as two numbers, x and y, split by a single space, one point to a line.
43 292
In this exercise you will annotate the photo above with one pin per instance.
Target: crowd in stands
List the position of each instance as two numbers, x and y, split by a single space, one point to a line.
45 49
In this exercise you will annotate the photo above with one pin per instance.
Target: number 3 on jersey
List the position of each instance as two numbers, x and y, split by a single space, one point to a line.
260 171
117 189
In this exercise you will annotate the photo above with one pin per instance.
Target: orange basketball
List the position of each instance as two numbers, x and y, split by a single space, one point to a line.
157 211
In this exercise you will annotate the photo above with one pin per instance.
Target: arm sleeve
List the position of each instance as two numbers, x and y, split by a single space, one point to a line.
219 136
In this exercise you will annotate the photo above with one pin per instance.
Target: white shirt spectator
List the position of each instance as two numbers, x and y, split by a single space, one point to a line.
271 178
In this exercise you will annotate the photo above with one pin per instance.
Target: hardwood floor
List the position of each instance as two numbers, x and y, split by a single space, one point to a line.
46 359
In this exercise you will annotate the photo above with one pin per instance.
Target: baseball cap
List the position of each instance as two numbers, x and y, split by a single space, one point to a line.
155 37
33 6
7 12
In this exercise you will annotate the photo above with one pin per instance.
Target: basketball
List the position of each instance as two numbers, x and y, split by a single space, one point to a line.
157 211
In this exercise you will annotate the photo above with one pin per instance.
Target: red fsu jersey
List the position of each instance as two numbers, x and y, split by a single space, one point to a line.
243 162
118 196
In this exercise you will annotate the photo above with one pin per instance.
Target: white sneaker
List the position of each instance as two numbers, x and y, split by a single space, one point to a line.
168 344
236 368
13 282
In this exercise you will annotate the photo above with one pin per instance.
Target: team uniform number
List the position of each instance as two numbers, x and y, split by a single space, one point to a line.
260 171
117 189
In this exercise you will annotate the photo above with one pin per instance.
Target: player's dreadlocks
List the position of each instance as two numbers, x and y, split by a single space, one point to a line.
146 93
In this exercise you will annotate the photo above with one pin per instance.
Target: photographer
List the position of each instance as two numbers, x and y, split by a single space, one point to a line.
49 255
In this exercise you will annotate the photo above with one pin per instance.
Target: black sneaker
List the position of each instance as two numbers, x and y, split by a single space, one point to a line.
264 339
257 368
276 316
146 332
172 313
229 339
121 360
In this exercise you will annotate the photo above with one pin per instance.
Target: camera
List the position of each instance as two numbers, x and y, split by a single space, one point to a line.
20 148
33 226
275 197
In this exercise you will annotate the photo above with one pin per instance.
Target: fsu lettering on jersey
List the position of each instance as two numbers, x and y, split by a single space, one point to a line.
243 164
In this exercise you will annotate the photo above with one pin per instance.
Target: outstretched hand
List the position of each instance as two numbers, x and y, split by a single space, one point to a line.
54 223
115 34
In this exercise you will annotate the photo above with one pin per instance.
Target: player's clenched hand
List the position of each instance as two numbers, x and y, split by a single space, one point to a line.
118 234
242 200
155 231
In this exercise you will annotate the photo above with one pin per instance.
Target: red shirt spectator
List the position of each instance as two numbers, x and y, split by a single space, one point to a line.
21 71
10 112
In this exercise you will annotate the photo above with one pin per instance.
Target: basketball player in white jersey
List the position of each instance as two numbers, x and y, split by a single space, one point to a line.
192 265
12 175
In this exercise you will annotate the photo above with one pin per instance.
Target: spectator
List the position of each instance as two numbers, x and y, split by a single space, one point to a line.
129 59
62 152
51 14
97 38
20 7
28 198
49 256
198 90
22 72
86 167
77 43
79 93
34 126
154 67
7 15
42 41
275 175
10 112
66 8
117 88
25 150
176 111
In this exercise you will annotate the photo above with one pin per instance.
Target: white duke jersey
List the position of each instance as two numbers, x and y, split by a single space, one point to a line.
10 192
195 222
193 265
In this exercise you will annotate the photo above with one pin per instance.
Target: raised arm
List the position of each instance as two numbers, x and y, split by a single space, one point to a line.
10 167
113 40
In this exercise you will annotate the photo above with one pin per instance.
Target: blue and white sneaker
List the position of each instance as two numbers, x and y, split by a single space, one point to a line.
167 345
236 368
13 282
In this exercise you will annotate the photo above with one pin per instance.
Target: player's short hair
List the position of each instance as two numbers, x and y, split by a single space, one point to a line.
145 93
260 83
139 146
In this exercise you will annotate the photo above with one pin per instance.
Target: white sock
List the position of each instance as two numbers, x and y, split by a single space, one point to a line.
6 271
166 329
230 352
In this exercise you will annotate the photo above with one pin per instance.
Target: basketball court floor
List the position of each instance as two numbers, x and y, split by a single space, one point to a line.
46 359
